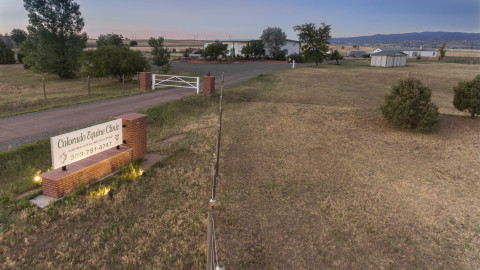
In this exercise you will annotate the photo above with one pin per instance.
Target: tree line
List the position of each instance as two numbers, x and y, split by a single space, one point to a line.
54 43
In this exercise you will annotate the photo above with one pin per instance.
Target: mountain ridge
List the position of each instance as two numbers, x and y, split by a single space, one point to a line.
429 38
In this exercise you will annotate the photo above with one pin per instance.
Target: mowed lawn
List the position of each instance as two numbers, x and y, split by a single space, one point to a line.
311 177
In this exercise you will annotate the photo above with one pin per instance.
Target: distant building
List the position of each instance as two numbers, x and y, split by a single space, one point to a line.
235 46
389 59
412 52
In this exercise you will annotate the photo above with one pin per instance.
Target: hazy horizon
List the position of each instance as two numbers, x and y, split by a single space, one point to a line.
213 19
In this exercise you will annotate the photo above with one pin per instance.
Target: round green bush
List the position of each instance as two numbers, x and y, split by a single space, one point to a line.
467 96
409 106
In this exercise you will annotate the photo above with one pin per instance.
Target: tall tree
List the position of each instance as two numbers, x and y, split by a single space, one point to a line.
274 38
443 51
54 43
18 35
315 40
114 61
160 54
109 39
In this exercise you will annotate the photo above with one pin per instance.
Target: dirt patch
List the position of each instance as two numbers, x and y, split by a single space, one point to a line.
28 193
151 159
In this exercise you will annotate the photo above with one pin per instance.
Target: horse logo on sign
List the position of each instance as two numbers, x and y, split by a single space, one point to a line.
63 157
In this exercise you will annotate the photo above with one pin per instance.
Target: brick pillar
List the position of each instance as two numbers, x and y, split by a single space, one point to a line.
135 133
145 81
209 85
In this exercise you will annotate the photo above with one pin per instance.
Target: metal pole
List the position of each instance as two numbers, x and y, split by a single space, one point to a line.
44 92
123 82
217 148
88 85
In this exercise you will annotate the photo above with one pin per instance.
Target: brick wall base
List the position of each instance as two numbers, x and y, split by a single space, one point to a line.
57 183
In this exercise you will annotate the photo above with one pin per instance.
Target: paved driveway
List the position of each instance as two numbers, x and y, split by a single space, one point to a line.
27 128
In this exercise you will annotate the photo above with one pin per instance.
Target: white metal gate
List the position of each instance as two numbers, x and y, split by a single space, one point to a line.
177 81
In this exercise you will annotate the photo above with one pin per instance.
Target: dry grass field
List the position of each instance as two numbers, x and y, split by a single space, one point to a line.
311 177
463 53
178 45
450 52
22 90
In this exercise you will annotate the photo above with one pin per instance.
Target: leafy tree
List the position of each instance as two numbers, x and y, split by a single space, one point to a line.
6 54
160 54
254 48
443 51
409 105
109 39
18 36
467 96
54 42
133 43
315 40
335 55
274 38
113 61
214 50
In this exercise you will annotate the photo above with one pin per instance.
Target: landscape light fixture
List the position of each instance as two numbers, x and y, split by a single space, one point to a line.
37 178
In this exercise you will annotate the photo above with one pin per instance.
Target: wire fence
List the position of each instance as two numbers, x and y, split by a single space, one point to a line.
212 255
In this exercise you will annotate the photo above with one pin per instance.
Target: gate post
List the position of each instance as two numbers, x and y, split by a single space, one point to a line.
209 85
145 81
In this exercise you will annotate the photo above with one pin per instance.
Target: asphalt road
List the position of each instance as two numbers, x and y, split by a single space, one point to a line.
27 128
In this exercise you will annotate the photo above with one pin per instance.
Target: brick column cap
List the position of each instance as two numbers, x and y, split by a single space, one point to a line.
131 116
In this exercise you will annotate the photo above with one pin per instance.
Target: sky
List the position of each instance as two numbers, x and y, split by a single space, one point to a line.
215 19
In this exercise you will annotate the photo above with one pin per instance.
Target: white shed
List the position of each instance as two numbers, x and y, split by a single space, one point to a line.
389 59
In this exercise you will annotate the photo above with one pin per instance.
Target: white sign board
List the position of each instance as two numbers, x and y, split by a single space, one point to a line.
70 147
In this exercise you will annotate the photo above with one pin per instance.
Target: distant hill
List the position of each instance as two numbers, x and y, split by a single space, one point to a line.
458 40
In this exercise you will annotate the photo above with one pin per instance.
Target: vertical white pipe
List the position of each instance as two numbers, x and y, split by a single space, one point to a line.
153 82
198 85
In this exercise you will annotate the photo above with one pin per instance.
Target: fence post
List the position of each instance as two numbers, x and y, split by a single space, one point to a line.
44 92
123 83
88 85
